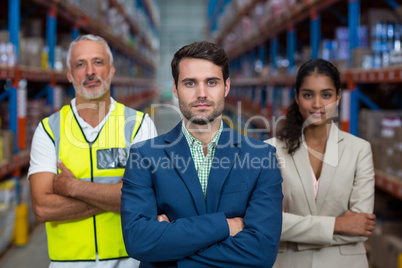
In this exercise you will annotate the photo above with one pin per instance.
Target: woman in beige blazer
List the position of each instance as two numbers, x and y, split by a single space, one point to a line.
328 178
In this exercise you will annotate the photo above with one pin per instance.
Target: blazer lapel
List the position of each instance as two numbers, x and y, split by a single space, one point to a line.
333 153
218 174
302 163
179 152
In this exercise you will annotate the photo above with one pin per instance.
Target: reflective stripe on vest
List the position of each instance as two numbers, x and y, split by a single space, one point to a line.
101 161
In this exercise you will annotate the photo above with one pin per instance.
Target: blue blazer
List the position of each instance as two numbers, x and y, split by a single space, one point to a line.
244 181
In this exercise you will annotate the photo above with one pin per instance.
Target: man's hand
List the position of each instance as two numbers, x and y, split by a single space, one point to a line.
355 223
236 225
162 218
63 183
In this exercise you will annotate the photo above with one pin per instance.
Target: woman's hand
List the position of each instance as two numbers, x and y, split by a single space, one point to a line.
351 223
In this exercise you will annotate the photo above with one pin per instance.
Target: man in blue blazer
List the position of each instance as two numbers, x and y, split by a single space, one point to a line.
202 195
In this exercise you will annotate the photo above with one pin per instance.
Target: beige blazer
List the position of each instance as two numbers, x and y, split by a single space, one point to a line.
346 182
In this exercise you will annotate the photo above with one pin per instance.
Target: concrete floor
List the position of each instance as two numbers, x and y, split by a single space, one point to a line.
33 255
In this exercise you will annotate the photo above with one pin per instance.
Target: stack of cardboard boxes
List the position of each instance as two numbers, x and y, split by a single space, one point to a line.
7 51
6 145
37 110
383 129
384 48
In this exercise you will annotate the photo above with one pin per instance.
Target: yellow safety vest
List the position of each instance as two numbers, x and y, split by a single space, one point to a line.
102 161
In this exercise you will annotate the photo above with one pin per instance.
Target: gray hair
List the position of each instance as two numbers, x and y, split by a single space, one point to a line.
89 37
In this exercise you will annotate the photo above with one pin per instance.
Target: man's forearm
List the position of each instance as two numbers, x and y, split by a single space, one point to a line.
49 208
148 239
103 196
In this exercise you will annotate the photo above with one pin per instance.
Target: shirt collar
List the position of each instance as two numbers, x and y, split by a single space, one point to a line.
74 102
83 123
193 141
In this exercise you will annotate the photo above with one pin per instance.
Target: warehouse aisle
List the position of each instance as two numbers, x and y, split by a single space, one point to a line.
165 116
34 254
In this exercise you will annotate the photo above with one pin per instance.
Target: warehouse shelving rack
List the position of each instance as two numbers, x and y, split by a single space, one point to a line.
255 48
144 87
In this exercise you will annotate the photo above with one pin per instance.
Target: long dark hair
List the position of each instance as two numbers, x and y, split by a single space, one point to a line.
293 127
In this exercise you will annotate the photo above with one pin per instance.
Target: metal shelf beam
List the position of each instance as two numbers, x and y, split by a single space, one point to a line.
315 34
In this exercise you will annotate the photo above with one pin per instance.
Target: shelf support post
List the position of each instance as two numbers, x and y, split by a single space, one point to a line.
354 111
392 4
4 95
75 32
263 98
13 30
366 100
252 60
338 15
353 21
273 54
238 64
50 96
291 48
51 32
262 52
22 113
275 92
14 24
315 33
12 106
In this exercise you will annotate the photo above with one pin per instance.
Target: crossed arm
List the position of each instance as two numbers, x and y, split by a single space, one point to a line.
201 240
355 225
63 197
358 223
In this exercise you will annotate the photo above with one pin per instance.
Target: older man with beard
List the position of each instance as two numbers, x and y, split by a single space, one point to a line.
78 157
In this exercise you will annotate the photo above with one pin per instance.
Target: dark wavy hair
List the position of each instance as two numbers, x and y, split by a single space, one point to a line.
291 132
201 50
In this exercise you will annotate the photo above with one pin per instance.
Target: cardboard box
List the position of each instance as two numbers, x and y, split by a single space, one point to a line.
376 151
359 54
370 122
398 134
387 153
373 15
34 48
398 152
395 164
4 36
8 144
32 27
